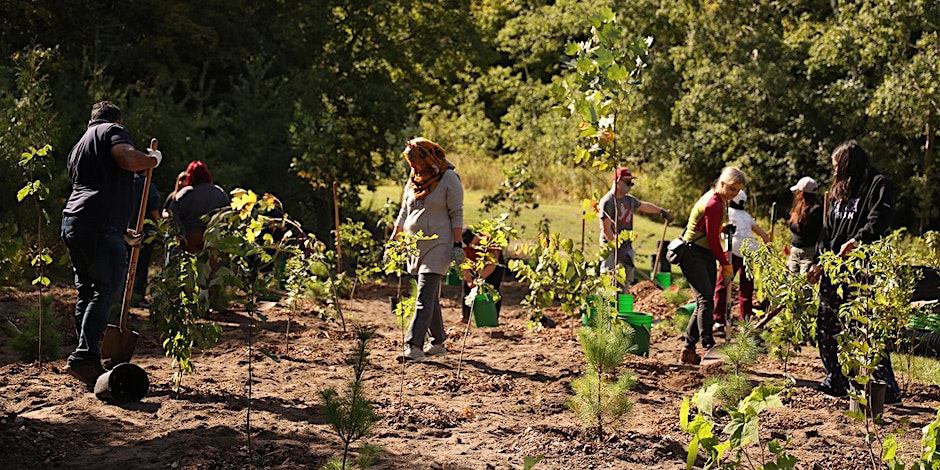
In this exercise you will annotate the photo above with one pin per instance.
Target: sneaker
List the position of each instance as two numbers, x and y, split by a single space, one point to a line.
413 353
690 357
708 343
85 372
144 304
837 392
718 329
435 350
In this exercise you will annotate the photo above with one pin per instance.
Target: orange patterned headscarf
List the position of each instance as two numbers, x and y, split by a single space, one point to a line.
428 164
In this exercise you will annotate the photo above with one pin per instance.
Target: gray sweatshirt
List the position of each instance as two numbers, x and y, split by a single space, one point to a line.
438 213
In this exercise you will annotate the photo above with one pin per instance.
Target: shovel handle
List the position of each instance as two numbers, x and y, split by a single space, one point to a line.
659 250
135 250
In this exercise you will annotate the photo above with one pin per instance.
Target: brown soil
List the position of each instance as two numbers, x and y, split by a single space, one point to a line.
508 403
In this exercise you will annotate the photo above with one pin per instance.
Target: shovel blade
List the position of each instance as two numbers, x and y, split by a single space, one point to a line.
118 345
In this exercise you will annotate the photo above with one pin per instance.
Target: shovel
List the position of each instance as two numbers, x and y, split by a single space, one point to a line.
119 340
659 253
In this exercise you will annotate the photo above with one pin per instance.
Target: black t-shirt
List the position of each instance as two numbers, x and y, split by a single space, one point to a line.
102 192
806 234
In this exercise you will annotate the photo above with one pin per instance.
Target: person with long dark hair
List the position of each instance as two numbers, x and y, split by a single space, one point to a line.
860 209
805 223
703 231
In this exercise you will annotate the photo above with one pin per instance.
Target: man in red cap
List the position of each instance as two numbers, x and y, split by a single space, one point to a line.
616 216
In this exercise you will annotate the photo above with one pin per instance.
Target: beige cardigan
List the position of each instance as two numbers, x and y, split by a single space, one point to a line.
440 212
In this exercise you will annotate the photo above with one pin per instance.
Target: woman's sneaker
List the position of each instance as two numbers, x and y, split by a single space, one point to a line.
413 353
435 350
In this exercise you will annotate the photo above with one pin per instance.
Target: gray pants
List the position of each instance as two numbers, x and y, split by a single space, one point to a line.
624 257
428 316
801 259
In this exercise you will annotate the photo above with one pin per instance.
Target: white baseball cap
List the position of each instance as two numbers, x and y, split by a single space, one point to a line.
805 184
740 197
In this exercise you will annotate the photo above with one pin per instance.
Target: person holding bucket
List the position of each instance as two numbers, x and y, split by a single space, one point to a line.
492 272
742 240
859 211
433 204
101 169
616 216
703 233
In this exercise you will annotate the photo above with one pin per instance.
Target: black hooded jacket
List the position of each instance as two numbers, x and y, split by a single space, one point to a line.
864 217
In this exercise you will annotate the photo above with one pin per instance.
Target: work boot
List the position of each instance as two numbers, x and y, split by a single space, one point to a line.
689 356
85 372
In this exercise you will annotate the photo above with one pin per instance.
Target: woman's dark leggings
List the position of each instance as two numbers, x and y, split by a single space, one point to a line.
700 270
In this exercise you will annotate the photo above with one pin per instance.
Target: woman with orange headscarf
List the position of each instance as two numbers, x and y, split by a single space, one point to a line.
433 205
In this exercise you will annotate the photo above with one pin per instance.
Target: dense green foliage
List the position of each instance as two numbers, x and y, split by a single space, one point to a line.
287 97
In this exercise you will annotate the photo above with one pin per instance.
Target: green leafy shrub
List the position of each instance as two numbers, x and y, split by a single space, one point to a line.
742 430
181 305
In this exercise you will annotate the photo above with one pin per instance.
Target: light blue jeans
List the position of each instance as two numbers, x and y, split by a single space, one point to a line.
99 260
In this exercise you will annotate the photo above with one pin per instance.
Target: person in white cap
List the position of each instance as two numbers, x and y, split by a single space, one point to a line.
743 239
806 220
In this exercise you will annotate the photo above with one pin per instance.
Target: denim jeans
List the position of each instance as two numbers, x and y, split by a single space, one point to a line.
99 260
428 316
700 269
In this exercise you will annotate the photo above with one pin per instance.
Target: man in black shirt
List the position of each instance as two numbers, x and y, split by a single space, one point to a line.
101 168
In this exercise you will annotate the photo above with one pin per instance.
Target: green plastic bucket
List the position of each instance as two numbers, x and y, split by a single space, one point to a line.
642 323
687 309
452 278
624 303
484 311
588 311
664 280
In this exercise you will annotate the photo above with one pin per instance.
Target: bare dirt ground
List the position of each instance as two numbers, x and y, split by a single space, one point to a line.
508 403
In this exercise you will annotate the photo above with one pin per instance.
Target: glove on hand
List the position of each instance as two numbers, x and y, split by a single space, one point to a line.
666 215
157 155
457 255
133 239
727 272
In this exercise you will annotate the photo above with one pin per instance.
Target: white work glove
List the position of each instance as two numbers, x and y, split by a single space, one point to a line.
157 155
457 254
132 238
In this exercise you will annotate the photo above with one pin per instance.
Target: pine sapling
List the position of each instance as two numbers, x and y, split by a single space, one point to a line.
351 416
600 394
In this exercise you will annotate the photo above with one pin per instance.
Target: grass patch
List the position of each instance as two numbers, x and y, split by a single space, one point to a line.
917 368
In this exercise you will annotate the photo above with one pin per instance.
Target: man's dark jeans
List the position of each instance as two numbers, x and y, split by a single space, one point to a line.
99 260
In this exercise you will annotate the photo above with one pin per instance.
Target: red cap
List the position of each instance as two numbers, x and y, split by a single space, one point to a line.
621 172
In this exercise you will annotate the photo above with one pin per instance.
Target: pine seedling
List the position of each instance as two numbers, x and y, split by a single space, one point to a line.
600 394
351 416
38 322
